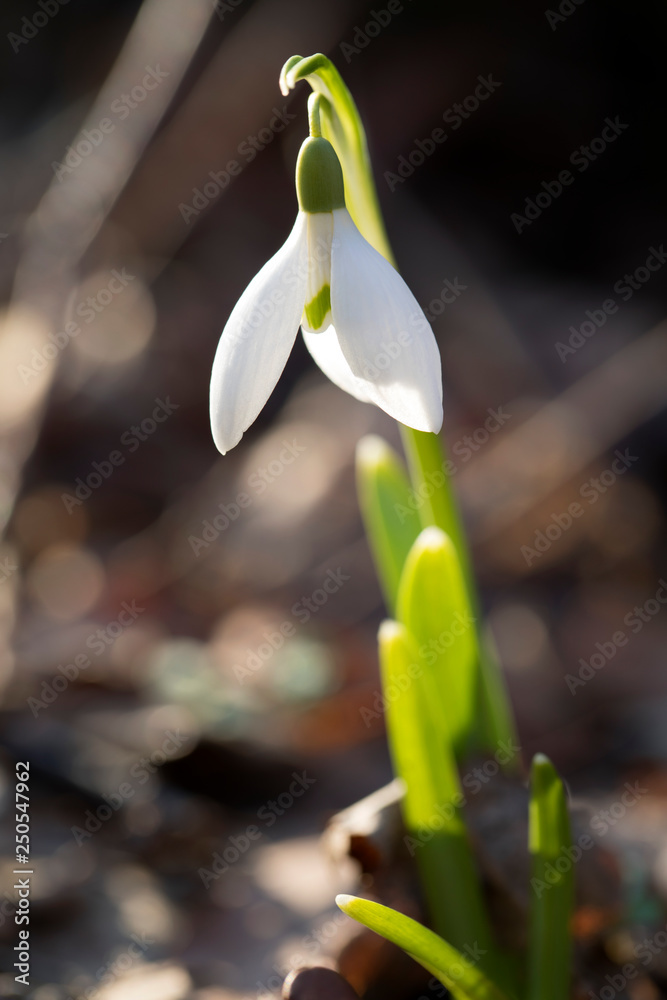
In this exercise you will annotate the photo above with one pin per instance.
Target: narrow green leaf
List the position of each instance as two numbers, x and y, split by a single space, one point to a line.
496 726
391 524
430 474
458 972
552 885
436 833
433 604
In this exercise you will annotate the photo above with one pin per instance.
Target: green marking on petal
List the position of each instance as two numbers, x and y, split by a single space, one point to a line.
317 309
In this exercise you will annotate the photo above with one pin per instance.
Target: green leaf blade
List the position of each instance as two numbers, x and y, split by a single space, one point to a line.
384 495
456 971
431 472
437 836
552 885
433 604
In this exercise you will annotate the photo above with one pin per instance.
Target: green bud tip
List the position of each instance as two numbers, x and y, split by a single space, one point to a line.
319 178
373 452
391 631
343 900
542 773
432 540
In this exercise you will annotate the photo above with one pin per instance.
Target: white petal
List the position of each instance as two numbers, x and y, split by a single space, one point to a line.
382 331
325 352
257 340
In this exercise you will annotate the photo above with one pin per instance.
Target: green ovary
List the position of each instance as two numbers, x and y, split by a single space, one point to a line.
317 309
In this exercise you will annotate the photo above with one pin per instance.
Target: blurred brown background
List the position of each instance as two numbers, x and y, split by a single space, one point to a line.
167 663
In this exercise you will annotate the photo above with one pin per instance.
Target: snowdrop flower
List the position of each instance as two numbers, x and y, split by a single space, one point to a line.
361 323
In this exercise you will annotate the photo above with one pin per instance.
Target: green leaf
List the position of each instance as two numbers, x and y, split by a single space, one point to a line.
433 604
430 473
392 525
433 799
456 971
552 885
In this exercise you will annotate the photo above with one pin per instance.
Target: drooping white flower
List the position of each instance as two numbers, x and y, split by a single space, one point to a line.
361 323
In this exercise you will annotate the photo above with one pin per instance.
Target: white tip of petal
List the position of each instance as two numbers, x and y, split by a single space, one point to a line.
257 340
382 333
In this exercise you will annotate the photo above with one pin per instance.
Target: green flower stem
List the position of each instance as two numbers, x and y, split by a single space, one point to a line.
314 107
438 506
341 124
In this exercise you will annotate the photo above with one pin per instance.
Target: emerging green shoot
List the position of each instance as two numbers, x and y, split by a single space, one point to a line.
552 885
384 490
436 833
433 605
455 970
